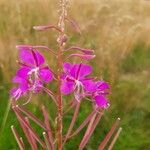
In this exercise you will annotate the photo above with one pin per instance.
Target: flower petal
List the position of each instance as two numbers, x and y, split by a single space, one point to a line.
26 56
67 67
74 70
23 84
23 72
40 58
89 86
102 85
67 87
101 101
30 57
46 74
84 70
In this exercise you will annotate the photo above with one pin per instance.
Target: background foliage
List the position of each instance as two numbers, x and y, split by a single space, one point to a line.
118 30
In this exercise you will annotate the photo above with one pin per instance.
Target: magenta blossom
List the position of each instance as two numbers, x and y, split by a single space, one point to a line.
99 91
32 74
74 79
22 88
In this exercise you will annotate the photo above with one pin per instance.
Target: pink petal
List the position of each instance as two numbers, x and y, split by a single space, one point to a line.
67 67
101 101
26 56
39 58
102 85
67 87
23 72
84 71
74 70
46 74
80 70
33 58
23 84
89 86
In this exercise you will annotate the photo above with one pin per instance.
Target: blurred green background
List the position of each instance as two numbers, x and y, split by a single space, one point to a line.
118 30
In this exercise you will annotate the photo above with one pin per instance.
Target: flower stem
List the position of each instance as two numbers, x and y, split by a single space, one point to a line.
21 146
115 139
72 122
61 43
109 135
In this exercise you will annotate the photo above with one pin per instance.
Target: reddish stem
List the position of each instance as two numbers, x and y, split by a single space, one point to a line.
46 120
72 122
109 135
90 131
31 139
61 43
81 146
69 106
47 142
16 135
83 124
25 123
31 116
114 139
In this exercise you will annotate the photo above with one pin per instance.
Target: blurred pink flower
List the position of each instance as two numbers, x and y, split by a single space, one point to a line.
99 92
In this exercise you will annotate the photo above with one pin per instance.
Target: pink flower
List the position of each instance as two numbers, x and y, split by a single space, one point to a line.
22 88
99 92
74 79
32 74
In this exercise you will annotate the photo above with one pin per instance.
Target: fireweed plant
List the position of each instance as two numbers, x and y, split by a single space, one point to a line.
71 78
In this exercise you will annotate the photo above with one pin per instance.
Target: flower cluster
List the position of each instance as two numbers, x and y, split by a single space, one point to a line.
75 80
33 74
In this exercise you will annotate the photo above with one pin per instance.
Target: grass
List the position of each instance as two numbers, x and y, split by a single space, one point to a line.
118 30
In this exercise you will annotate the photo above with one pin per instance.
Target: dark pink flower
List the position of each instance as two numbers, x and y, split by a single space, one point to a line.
74 79
22 88
32 74
99 92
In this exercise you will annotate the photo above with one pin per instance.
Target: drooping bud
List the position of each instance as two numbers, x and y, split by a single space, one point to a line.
83 50
84 57
41 28
74 25
24 47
